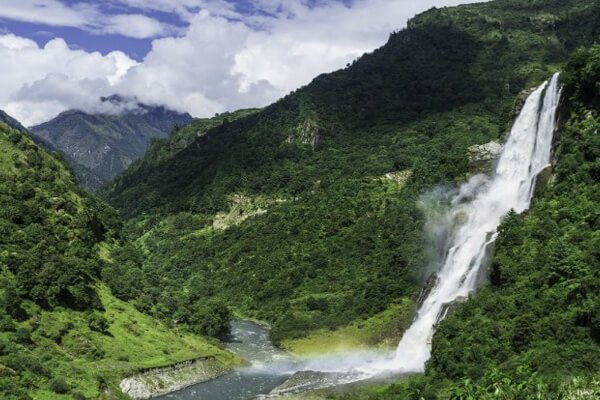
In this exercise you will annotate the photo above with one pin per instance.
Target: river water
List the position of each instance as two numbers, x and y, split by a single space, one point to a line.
272 368
251 342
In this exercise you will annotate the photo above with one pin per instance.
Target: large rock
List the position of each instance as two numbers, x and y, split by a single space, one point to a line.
158 381
543 178
483 156
304 381
450 307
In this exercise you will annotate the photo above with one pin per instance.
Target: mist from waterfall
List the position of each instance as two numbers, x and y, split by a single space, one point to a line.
474 216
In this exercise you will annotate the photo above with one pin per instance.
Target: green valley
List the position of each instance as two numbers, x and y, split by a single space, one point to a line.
327 239
315 216
63 335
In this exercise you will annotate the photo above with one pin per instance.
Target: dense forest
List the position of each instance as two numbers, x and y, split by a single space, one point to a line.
62 333
307 214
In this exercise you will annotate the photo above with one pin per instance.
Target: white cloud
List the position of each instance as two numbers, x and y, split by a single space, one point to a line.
49 12
83 15
223 61
135 26
37 83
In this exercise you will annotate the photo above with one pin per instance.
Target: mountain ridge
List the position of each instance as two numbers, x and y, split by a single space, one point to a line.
100 146
316 159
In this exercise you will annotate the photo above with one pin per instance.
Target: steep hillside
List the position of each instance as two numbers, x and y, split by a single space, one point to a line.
534 331
99 146
62 333
11 122
164 149
307 214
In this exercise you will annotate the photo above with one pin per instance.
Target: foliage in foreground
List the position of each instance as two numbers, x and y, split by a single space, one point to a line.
62 334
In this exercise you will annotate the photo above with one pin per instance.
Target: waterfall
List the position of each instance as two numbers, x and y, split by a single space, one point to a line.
475 213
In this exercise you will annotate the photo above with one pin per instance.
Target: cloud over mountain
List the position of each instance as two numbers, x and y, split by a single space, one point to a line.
228 56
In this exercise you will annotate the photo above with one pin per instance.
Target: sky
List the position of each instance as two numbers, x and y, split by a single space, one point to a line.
198 56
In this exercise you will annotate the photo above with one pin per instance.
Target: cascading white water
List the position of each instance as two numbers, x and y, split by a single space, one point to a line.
476 212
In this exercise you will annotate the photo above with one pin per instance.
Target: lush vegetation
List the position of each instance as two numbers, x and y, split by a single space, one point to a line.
62 333
306 214
534 331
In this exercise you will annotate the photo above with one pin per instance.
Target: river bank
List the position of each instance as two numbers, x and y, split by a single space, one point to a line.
158 381
251 342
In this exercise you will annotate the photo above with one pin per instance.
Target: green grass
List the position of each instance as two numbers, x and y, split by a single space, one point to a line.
383 330
134 341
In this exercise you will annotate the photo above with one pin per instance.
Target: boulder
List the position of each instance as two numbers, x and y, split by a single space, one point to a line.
483 156
543 178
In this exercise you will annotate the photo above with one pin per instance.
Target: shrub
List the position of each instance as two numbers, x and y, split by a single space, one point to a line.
98 323
23 336
59 385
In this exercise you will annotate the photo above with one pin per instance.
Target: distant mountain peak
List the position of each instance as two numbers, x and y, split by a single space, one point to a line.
117 98
101 144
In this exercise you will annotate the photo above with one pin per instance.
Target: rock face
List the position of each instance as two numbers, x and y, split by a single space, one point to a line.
520 101
429 285
159 381
483 156
307 132
100 146
544 177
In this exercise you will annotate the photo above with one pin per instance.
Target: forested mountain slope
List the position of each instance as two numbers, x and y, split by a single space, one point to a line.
307 214
62 333
99 146
11 122
534 330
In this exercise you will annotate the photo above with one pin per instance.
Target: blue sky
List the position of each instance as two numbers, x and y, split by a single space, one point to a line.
199 56
89 39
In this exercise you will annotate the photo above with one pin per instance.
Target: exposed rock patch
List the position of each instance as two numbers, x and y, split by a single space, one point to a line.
158 381
399 177
307 132
242 208
483 156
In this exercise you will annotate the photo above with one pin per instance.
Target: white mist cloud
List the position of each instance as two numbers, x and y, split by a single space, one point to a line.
224 60
36 83
135 26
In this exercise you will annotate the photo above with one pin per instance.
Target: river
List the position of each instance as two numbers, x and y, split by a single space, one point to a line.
271 367
251 342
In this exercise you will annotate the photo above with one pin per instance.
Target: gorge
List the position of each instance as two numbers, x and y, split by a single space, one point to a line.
421 224
470 229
